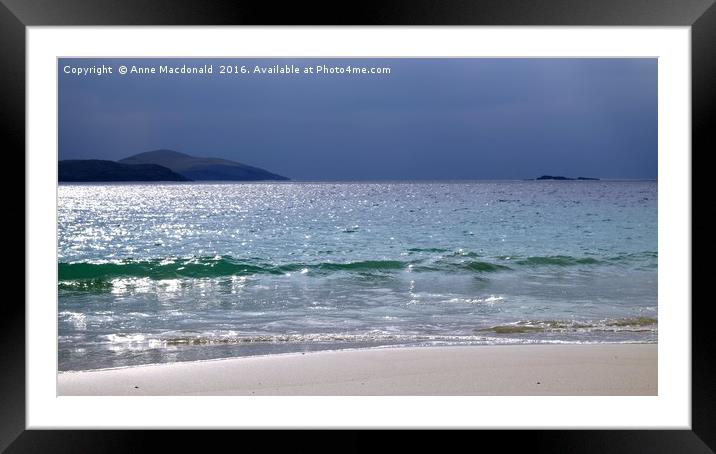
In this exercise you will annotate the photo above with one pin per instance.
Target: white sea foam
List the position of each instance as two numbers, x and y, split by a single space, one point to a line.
78 320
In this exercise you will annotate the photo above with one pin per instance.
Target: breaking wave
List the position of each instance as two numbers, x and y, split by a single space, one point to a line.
96 275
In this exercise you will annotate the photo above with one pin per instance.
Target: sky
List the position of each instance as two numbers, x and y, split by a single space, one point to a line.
427 119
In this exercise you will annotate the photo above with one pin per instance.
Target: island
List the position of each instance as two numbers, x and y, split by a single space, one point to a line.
561 178
161 165
91 170
200 168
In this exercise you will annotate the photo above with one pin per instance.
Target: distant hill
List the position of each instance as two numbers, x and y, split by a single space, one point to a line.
86 170
197 168
550 177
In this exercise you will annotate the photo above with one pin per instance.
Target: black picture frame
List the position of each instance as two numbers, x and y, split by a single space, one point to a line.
16 15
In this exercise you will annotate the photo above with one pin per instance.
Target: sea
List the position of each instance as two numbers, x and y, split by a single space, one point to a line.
159 273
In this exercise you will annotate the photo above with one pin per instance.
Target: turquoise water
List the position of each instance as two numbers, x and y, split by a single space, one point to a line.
186 271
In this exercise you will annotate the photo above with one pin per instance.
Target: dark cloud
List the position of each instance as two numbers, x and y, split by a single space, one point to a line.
428 119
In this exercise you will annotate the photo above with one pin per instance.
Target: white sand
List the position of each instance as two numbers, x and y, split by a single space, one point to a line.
607 369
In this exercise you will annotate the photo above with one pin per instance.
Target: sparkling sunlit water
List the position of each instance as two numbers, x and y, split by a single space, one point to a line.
157 273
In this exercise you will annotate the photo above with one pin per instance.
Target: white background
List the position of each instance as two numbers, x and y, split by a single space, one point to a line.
670 409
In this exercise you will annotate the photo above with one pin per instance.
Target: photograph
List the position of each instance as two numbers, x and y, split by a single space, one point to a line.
357 226
471 216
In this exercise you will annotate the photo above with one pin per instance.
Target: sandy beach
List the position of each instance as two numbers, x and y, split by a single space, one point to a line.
603 369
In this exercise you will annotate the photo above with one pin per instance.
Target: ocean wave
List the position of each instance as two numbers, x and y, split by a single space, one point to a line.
464 266
92 275
427 249
85 285
168 268
97 275
632 324
177 339
557 260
